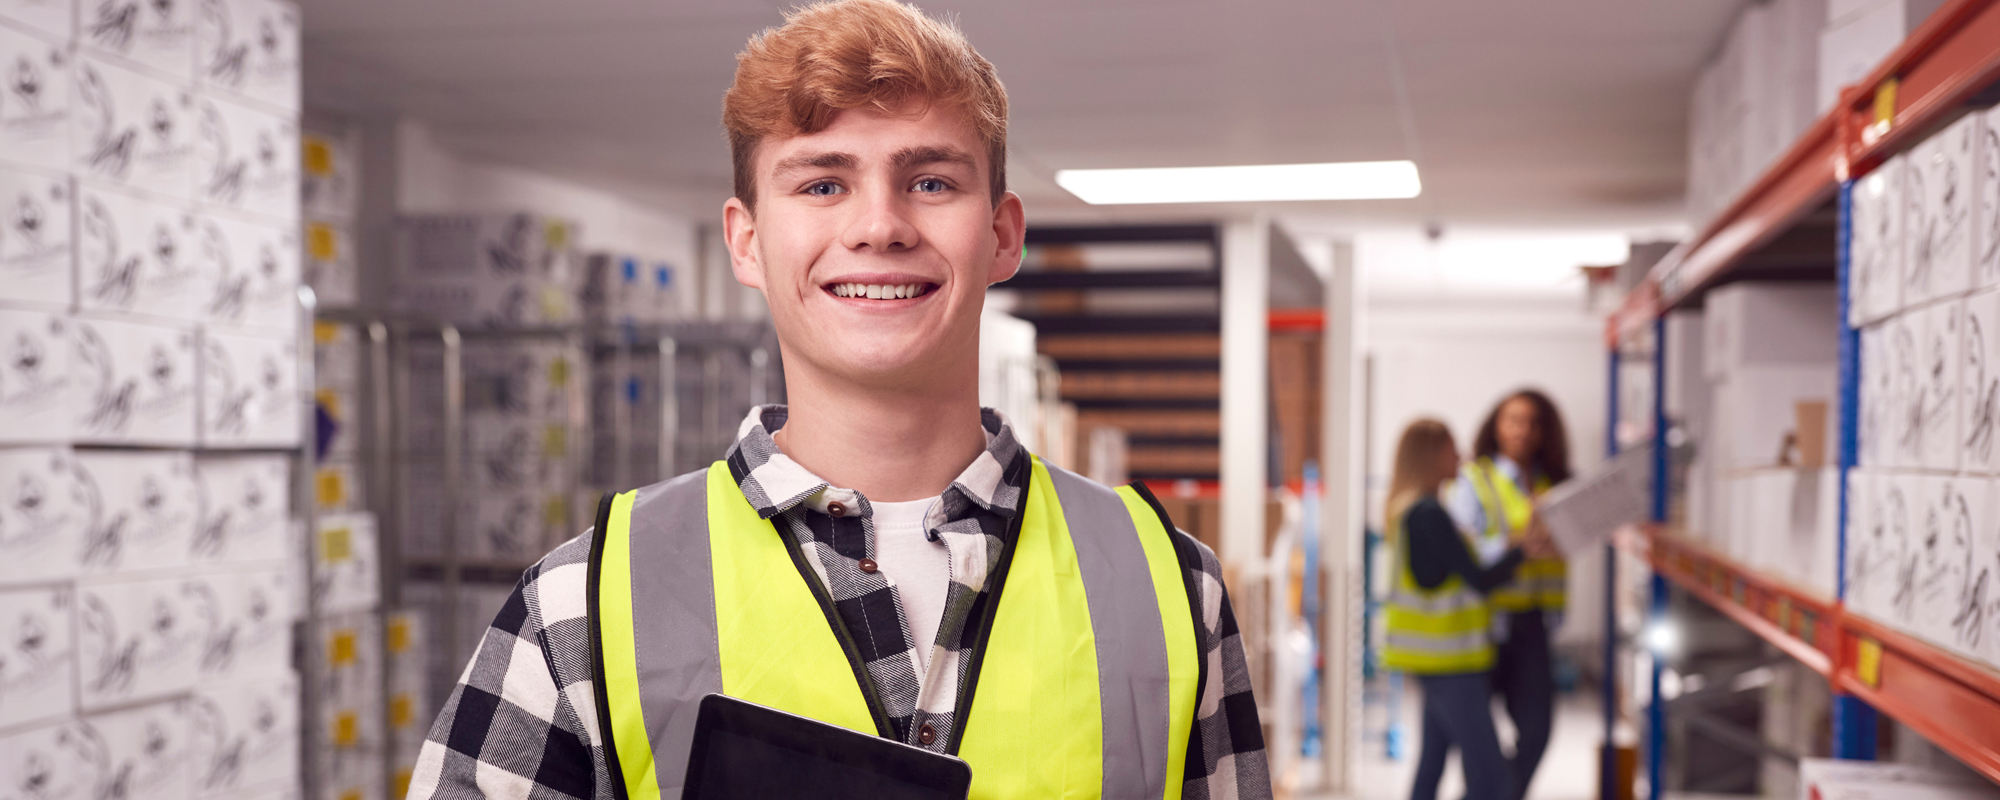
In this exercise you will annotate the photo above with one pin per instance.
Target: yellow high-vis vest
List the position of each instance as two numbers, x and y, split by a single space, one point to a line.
1086 683
1540 583
1440 631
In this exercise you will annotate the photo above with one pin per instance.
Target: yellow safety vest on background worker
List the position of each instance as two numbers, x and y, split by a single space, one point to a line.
1441 631
1086 687
1540 583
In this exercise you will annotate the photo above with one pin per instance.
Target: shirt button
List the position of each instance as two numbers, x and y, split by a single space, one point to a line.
836 509
925 735
869 566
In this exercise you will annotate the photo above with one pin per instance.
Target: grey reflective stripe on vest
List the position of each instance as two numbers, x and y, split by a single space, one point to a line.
1446 645
1131 646
673 597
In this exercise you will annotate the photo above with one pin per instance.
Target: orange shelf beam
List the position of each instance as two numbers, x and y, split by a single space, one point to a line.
1799 622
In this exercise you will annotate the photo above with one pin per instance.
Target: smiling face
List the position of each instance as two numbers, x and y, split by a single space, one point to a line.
874 240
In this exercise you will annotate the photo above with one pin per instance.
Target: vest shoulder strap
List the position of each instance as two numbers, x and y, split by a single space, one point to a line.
1188 552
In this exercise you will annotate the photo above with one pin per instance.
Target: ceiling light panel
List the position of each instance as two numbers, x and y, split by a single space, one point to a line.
1352 180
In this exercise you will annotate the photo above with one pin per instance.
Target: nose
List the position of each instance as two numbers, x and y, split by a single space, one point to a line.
882 224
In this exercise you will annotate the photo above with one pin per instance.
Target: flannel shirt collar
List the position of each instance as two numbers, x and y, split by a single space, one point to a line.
774 483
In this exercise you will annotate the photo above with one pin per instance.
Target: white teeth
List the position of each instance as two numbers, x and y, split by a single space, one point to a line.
877 291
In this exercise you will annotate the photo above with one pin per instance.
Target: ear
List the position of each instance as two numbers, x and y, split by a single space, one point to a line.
739 232
1010 232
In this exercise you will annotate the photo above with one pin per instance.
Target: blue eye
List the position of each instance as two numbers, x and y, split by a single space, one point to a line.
824 189
931 186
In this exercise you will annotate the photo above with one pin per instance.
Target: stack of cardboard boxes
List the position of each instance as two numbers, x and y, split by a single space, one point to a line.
1780 69
1752 378
149 267
1923 544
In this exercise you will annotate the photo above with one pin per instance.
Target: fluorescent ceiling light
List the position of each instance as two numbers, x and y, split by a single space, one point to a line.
1352 180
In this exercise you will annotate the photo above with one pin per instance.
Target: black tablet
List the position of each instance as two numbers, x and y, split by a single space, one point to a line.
744 751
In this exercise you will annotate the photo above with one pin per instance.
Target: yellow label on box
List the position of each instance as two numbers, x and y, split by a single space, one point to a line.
555 440
351 794
346 729
322 243
555 305
399 785
325 332
336 545
555 512
399 634
402 710
559 372
318 156
345 648
330 489
1868 662
555 233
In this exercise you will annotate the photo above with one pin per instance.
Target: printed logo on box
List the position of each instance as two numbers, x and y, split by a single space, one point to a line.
34 380
137 382
35 238
35 103
133 129
158 33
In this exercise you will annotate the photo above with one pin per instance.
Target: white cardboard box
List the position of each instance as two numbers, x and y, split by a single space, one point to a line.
56 18
1831 779
347 569
256 268
246 736
1986 210
37 655
138 640
352 646
35 239
149 749
1939 181
248 160
159 36
250 633
59 761
1876 252
1979 379
148 510
1948 598
245 505
1941 363
250 48
140 256
330 267
1756 324
45 514
249 391
39 383
1757 406
36 116
1877 540
1906 345
135 383
132 129
1875 439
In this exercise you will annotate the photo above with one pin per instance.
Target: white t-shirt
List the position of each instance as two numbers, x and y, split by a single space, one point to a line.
919 568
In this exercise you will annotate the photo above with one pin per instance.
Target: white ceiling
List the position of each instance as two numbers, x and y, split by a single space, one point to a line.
1546 113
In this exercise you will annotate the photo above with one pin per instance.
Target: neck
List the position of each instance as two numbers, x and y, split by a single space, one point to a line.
891 441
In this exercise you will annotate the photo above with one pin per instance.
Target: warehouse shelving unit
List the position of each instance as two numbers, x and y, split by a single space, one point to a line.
1783 227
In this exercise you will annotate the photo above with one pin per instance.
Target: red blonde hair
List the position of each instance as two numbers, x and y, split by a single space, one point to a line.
880 54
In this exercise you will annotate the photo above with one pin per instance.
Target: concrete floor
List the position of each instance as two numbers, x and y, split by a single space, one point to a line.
1568 772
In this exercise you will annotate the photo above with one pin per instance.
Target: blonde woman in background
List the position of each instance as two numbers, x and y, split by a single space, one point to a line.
1438 617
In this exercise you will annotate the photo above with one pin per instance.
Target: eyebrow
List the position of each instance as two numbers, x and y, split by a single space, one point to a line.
931 154
809 161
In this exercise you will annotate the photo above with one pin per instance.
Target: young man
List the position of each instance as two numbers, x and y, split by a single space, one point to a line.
881 554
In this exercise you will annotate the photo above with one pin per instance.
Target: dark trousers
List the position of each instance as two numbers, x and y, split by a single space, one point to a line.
1458 711
1524 678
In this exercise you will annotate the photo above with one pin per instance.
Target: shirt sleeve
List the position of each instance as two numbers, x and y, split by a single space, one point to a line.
1437 552
1225 754
1462 502
521 721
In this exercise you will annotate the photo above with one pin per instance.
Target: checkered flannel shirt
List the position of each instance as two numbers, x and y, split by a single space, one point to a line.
522 722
